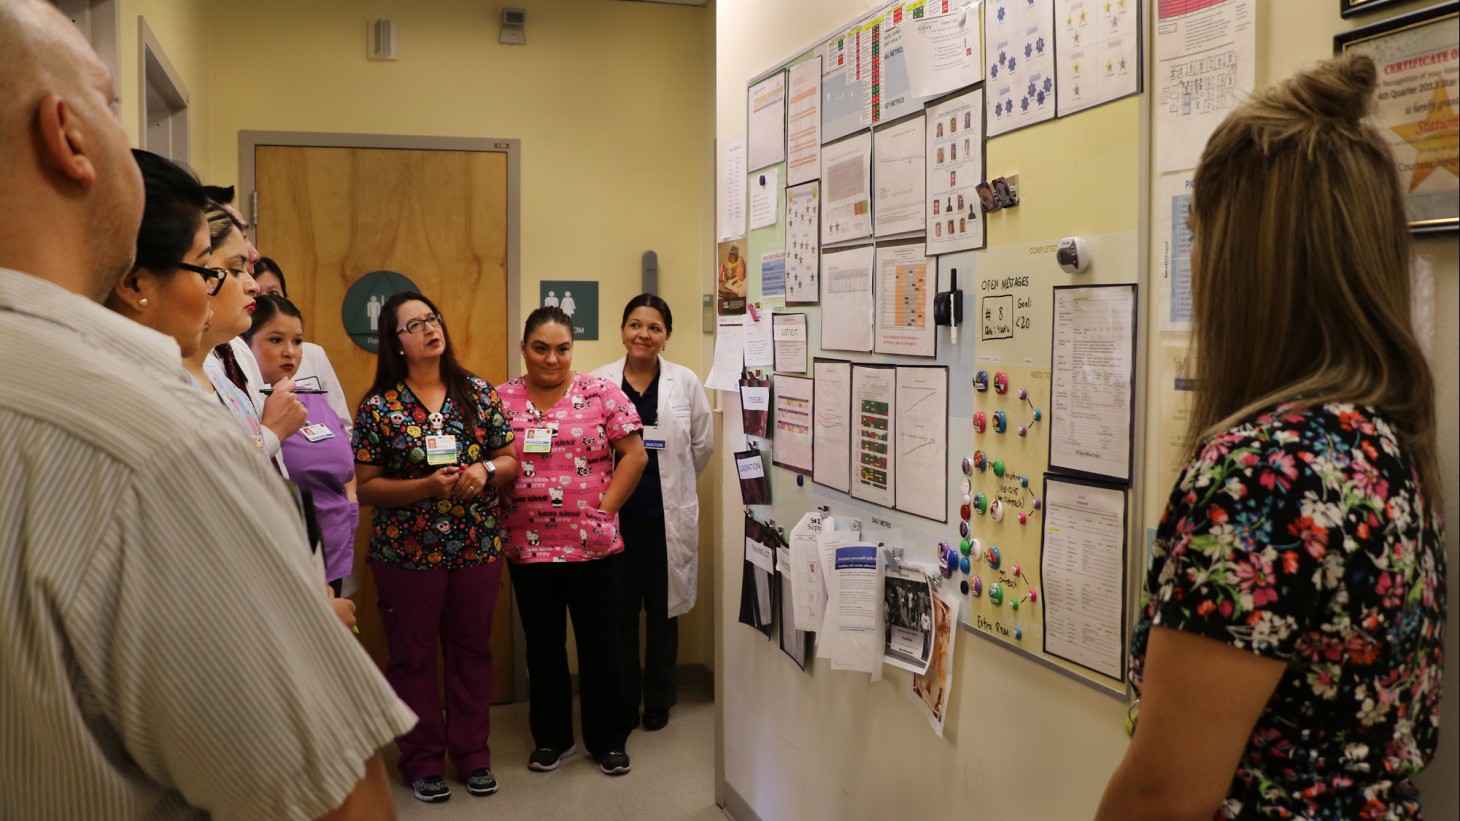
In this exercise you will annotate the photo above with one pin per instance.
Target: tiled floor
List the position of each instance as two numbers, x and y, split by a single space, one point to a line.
673 775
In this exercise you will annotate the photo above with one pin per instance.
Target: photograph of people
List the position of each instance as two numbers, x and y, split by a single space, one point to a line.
577 437
732 274
660 521
433 454
987 198
1289 652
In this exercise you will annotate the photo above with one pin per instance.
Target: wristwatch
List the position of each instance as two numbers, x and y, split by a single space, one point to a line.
491 470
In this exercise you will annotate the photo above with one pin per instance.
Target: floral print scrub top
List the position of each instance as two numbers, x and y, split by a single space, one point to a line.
553 515
1303 535
390 433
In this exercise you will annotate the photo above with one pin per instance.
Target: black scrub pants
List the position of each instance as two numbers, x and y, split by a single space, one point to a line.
644 583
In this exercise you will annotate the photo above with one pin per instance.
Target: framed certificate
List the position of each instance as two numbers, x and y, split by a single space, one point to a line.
1353 8
1416 107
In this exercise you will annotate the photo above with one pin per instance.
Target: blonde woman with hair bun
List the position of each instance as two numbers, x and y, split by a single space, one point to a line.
1289 648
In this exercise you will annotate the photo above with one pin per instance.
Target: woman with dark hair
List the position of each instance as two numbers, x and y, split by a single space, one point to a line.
564 541
319 457
660 520
315 370
169 285
1289 650
432 451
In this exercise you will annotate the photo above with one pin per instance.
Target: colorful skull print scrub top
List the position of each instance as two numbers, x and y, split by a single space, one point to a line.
390 433
553 515
1303 535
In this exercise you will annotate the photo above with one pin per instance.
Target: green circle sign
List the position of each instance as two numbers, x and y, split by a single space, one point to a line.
364 302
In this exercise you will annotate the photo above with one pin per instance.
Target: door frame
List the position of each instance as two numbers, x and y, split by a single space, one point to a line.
249 141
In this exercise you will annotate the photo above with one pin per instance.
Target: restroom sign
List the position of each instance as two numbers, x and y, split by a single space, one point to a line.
365 302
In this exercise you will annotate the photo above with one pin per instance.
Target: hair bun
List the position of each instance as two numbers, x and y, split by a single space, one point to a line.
1341 88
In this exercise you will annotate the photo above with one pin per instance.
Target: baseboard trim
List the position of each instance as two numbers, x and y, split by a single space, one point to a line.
736 807
686 677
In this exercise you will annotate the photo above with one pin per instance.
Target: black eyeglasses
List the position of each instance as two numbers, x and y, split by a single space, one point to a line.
415 326
212 277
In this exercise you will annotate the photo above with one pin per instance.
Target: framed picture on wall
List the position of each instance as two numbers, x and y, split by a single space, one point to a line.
1415 109
1353 8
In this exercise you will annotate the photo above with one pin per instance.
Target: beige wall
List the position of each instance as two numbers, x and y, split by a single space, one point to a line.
1021 739
608 99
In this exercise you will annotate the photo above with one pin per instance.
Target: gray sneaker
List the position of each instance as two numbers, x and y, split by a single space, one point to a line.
481 782
431 789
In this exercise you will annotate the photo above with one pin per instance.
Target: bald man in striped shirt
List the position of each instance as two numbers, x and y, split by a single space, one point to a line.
163 653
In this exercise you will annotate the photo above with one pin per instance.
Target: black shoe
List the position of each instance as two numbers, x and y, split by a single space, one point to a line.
614 763
431 789
546 759
481 782
656 721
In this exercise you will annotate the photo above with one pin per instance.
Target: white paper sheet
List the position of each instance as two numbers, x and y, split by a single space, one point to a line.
759 346
894 95
765 195
1099 47
1083 569
773 275
832 431
803 130
874 476
944 50
930 691
729 354
955 219
906 280
789 331
846 82
1019 51
901 178
1205 64
833 536
922 441
1173 287
807 581
907 618
846 188
766 123
846 296
794 401
1092 373
803 243
732 182
858 637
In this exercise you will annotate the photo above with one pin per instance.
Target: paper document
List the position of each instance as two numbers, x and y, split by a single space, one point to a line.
930 690
846 81
907 618
1205 64
846 299
759 349
906 280
807 582
765 196
803 243
1092 376
831 431
789 331
766 123
732 184
1083 569
846 189
729 354
1019 50
955 167
794 400
773 275
944 51
803 137
874 460
1100 52
901 177
922 441
857 643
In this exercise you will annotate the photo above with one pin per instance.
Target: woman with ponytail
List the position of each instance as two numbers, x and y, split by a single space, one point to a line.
1289 651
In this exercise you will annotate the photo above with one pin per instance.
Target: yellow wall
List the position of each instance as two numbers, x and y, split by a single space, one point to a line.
180 27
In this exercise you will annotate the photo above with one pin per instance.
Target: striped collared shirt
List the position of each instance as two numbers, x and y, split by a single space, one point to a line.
164 652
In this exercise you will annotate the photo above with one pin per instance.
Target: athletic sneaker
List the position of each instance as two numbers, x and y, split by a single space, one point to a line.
546 759
481 782
614 763
432 788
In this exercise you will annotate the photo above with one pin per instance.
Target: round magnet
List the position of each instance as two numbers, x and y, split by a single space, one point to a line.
1001 421
964 546
999 468
967 466
963 585
996 510
981 381
976 586
996 594
1014 605
1034 596
1023 481
993 557
1001 382
1022 430
963 529
964 564
980 462
1038 414
964 512
981 504
1023 393
980 422
975 549
1023 518
1018 634
1016 570
966 485
966 499
1037 503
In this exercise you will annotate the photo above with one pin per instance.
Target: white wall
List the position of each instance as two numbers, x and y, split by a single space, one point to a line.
1021 740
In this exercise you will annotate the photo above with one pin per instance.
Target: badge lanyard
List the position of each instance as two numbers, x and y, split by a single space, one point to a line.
539 435
440 447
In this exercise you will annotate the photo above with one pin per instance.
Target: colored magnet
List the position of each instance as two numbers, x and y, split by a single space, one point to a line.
1016 570
980 423
1034 596
963 529
1001 422
1037 503
967 466
975 549
981 504
964 546
1023 393
1018 634
1014 605
999 468
996 510
1023 430
963 585
1023 518
1023 481
980 462
964 512
981 381
993 557
996 594
964 564
977 586
1038 414
1001 382
966 485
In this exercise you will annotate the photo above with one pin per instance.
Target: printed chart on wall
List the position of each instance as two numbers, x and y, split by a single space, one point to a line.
1019 50
1011 585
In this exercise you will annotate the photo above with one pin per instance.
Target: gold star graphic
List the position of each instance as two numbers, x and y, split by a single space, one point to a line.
1436 138
1082 17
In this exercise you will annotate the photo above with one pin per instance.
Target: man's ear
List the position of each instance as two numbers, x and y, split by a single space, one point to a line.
63 142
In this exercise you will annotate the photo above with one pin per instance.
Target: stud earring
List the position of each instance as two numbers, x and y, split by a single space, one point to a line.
142 302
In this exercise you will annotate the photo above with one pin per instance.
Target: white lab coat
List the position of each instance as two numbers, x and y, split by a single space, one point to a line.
684 420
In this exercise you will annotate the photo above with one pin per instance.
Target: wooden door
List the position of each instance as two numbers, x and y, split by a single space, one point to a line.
331 215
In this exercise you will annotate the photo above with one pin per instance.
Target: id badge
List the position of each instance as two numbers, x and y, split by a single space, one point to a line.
654 438
441 450
317 432
539 440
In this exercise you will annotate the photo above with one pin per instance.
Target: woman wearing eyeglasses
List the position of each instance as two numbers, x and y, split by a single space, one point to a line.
432 450
169 286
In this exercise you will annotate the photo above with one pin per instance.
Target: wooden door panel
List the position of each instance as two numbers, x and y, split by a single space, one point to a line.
331 215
